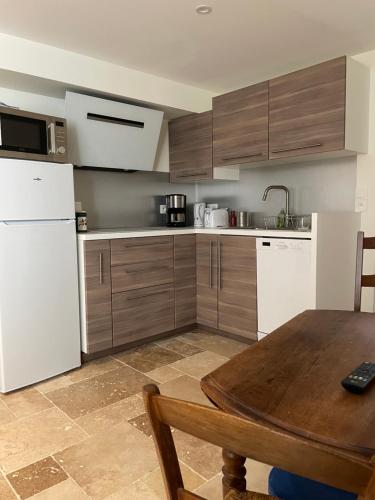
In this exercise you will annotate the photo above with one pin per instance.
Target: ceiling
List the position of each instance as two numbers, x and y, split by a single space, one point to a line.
240 42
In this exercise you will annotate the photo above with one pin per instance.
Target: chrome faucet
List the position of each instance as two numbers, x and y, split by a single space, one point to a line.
282 188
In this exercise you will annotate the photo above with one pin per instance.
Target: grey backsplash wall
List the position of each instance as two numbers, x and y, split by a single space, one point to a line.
132 200
117 199
317 186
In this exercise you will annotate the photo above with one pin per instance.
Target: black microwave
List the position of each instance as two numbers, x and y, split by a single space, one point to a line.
31 136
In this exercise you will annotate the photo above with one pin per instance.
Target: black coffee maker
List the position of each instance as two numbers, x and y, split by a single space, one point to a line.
176 210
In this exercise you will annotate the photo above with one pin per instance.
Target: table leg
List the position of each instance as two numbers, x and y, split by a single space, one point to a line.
234 472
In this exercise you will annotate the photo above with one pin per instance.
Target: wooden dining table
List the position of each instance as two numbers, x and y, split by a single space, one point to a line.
291 380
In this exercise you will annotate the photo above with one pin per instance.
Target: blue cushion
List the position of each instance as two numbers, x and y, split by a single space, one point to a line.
291 487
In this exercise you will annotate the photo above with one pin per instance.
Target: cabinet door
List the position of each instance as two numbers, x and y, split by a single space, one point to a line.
190 148
307 110
142 313
98 295
237 285
240 126
207 247
185 280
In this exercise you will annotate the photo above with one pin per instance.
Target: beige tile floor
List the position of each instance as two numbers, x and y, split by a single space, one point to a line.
84 434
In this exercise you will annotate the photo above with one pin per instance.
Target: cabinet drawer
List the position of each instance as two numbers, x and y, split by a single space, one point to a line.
137 250
144 274
142 313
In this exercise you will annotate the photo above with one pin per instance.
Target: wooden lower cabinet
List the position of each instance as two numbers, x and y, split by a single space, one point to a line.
207 271
226 284
185 280
237 291
98 296
142 313
155 285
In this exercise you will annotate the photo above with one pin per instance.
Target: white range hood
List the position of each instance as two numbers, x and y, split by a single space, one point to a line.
109 134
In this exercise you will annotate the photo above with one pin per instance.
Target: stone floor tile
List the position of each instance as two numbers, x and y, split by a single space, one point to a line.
155 480
200 364
257 476
212 489
87 370
93 368
36 477
148 357
52 384
6 492
204 458
219 344
177 345
6 415
67 490
142 423
97 392
32 438
105 418
25 402
185 387
164 374
136 491
110 461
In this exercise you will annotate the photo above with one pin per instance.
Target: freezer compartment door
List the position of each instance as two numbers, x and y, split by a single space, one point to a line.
284 281
32 190
39 305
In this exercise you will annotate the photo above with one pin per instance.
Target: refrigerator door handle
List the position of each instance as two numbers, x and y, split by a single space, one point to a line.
1 137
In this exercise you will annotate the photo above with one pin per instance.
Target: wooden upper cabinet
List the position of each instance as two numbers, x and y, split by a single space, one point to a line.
307 110
190 148
98 321
240 126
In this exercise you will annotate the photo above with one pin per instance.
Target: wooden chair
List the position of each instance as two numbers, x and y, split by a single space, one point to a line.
362 280
241 437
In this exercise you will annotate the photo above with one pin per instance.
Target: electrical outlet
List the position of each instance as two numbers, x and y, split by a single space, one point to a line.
163 209
361 200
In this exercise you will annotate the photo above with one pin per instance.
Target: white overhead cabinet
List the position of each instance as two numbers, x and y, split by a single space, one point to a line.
110 134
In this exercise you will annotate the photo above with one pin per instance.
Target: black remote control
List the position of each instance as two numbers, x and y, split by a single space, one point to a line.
360 378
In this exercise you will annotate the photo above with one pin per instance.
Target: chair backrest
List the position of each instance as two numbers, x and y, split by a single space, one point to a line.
362 280
250 439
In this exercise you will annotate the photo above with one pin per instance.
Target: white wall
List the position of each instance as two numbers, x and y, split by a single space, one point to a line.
70 69
117 199
366 183
317 186
32 102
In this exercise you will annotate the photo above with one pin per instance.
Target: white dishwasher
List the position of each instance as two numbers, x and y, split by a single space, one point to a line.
284 281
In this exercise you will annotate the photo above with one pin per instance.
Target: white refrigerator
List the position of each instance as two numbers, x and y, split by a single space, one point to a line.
39 304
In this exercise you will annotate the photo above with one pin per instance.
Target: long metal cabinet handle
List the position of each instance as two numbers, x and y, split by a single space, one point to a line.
239 157
210 267
100 268
147 295
219 266
1 137
284 150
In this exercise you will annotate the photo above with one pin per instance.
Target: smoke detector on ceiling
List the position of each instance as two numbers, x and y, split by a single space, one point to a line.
203 9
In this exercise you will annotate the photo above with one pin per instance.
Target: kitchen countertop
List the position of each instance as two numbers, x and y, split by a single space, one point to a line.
114 233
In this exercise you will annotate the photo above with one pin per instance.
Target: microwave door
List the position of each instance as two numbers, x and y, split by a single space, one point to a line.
23 134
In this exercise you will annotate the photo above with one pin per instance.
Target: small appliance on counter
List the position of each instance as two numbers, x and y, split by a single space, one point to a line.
199 209
176 210
216 217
